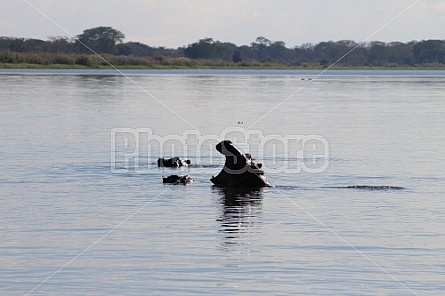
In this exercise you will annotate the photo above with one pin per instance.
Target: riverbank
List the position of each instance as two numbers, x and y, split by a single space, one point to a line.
14 60
234 67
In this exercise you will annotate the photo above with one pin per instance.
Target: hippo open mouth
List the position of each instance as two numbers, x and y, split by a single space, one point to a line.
239 171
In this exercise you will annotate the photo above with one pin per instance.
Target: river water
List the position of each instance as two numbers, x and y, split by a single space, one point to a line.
83 209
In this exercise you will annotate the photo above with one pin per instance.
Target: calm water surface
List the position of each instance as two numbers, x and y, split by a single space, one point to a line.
73 222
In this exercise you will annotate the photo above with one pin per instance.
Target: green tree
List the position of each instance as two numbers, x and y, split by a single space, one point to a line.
99 39
277 51
304 53
134 48
207 48
61 45
429 51
400 53
203 49
245 54
378 53
259 47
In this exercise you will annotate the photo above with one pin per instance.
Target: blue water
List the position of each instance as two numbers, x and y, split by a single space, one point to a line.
84 211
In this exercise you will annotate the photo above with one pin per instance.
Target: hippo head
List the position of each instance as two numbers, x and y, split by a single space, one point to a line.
235 160
175 179
239 169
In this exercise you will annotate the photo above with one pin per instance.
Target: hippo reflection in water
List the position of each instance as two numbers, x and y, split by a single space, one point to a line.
239 171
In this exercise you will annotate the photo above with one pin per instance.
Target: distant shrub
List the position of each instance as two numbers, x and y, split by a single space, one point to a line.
7 57
63 59
83 60
36 58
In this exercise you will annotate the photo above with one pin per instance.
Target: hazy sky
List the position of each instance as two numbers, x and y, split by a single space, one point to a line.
174 23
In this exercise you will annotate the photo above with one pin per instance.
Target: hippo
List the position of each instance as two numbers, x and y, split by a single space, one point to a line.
239 171
175 179
174 162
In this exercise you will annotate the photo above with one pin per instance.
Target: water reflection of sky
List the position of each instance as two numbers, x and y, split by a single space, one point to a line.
59 195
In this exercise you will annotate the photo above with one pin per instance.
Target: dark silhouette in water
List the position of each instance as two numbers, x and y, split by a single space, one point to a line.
240 216
371 187
239 171
174 162
175 179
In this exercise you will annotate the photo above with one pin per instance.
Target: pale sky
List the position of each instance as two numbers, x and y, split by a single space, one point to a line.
174 23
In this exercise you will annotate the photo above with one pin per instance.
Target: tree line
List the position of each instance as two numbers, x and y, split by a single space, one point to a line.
106 40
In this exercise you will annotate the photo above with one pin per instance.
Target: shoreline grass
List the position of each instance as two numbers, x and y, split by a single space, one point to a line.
45 60
19 66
